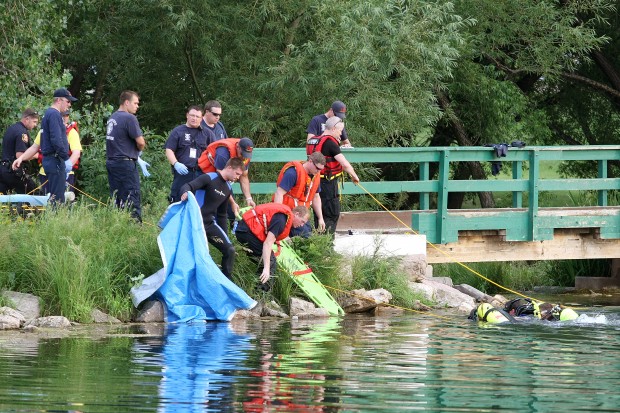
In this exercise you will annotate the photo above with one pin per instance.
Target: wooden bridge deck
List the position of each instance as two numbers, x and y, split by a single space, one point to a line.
568 241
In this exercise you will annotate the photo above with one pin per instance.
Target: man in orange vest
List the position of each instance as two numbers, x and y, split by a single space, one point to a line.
336 164
260 227
219 152
299 184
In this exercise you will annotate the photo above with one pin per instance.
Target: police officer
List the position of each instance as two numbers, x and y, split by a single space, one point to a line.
15 142
183 148
217 187
124 143
55 146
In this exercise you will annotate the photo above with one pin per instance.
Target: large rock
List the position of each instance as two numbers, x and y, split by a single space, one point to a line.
475 293
10 319
303 309
441 294
101 317
361 301
151 312
426 290
415 267
447 296
272 309
27 304
244 315
55 321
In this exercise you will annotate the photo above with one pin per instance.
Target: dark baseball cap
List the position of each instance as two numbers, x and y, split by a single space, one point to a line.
246 146
64 93
339 109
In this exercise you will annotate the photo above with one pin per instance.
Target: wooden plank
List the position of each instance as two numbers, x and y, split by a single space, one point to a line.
566 245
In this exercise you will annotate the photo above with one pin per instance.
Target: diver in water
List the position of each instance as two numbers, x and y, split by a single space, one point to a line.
521 307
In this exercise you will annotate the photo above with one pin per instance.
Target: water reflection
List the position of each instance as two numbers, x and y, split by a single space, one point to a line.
198 364
357 363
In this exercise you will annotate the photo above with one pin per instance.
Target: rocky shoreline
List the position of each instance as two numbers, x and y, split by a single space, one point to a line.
24 312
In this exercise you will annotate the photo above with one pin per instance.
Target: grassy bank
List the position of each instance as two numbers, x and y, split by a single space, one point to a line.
89 256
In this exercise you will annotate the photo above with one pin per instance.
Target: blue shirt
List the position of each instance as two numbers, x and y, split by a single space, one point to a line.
122 131
222 155
277 224
182 140
16 139
289 179
317 127
54 140
218 130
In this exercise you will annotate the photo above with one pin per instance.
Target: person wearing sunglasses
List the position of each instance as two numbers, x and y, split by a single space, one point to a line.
212 120
299 184
336 164
316 127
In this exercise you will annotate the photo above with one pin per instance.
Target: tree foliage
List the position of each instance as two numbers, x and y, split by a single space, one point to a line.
31 33
463 72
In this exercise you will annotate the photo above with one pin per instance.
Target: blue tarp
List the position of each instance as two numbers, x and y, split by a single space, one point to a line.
191 285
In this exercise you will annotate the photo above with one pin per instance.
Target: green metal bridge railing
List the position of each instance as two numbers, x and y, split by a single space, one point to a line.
441 225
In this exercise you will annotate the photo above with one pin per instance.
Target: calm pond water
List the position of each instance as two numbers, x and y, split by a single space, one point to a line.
408 362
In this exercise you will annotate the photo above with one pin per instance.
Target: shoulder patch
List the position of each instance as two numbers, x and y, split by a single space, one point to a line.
25 138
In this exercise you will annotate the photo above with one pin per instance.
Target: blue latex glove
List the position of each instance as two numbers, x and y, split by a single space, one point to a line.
143 164
180 168
68 166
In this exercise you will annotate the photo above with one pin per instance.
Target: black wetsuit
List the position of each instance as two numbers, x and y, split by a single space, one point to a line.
217 191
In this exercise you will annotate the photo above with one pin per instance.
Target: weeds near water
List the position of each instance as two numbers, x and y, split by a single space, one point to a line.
371 272
521 275
78 258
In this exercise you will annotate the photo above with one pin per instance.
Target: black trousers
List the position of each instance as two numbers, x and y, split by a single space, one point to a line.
218 237
330 204
17 180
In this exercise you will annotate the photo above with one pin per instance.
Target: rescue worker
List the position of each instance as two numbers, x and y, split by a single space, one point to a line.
124 145
55 146
299 184
219 152
329 145
15 142
217 187
316 127
262 226
75 151
183 148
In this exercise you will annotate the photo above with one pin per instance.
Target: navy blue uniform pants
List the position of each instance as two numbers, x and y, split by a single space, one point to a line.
54 168
125 185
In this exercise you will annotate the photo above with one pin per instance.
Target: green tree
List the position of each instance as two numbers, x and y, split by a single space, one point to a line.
31 35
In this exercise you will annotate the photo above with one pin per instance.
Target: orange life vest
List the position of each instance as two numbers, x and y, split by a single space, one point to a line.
206 161
259 218
305 188
332 169
69 127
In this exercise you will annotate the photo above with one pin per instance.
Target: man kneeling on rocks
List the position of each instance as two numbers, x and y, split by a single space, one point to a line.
260 227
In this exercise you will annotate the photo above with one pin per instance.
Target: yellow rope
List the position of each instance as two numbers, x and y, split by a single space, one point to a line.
444 252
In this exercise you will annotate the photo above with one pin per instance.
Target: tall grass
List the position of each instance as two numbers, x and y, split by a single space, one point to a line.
521 275
89 255
77 259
